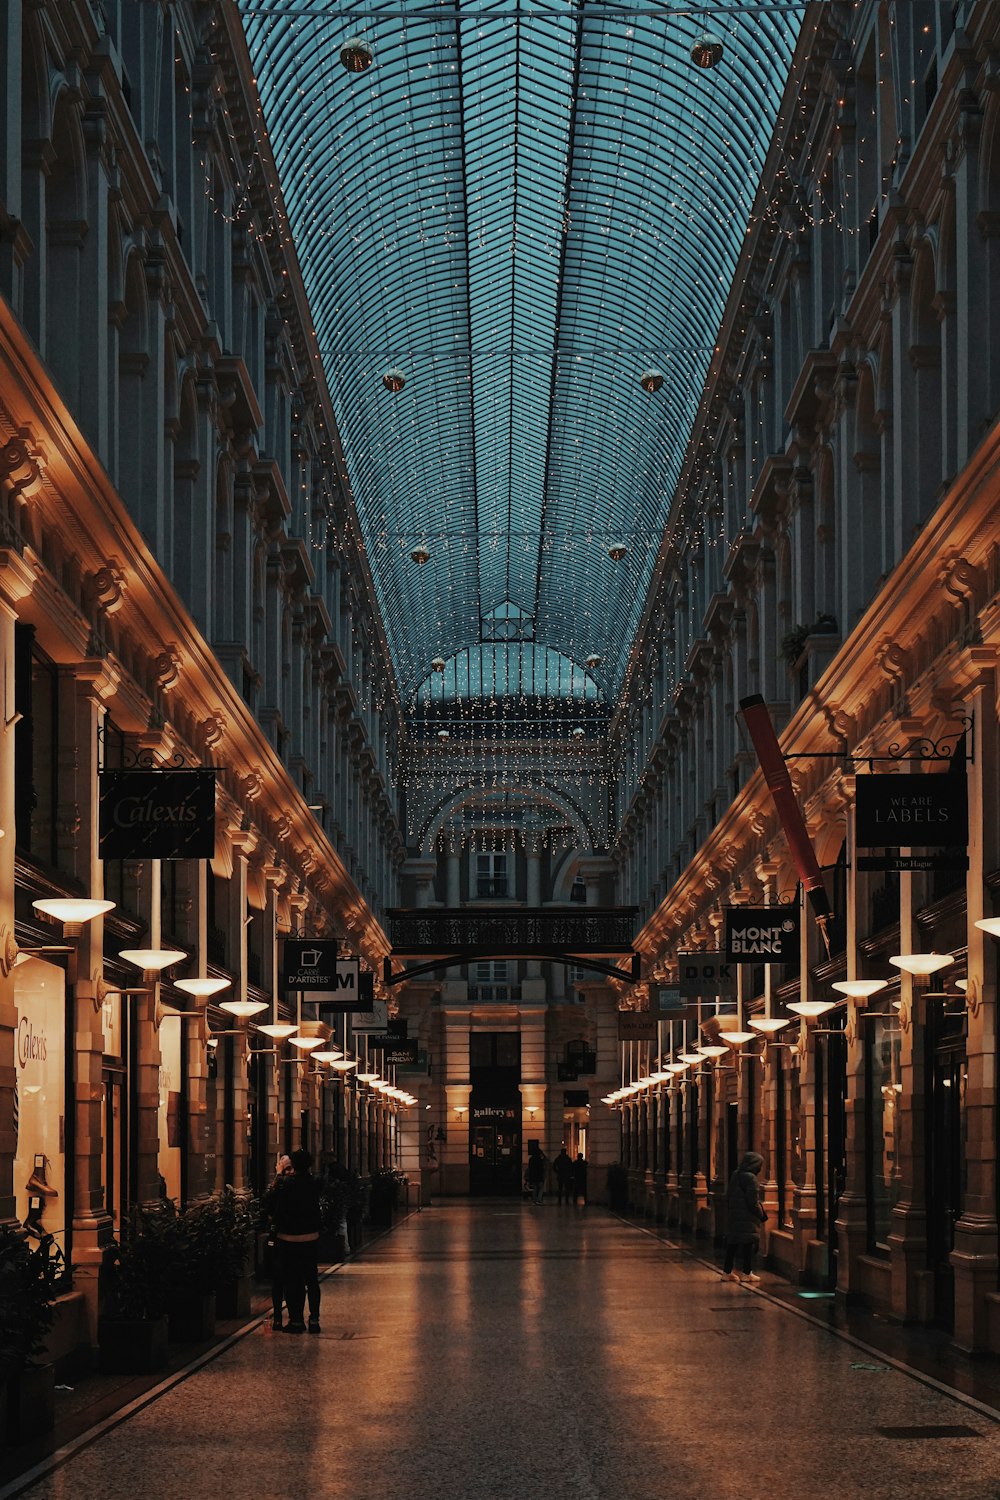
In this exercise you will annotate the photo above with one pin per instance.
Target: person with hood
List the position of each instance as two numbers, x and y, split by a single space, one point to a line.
744 1216
283 1170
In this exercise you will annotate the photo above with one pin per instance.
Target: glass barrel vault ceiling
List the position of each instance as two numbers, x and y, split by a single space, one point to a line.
521 209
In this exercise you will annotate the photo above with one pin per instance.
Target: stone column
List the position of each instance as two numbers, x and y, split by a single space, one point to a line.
533 985
16 580
453 886
974 1257
244 842
83 691
804 1192
852 1210
200 1144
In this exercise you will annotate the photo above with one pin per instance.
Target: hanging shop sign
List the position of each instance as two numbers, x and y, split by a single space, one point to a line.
926 812
375 1018
310 966
705 974
576 1098
671 1002
156 814
762 934
636 1026
395 1052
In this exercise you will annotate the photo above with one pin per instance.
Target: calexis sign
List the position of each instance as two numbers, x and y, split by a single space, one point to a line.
762 934
157 815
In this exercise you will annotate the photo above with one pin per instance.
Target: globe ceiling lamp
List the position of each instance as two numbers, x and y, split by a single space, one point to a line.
593 661
394 380
577 733
921 965
420 554
651 380
707 50
443 735
356 55
438 664
616 551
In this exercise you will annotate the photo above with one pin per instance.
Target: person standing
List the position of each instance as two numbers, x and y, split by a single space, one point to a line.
295 1207
534 1174
284 1170
563 1168
579 1169
744 1216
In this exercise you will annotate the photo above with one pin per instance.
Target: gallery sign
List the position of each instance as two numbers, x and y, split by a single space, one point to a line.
156 814
705 974
762 934
907 810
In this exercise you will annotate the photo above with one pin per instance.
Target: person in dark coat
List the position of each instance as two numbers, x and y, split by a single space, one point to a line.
580 1179
296 1213
744 1216
563 1168
534 1174
277 1287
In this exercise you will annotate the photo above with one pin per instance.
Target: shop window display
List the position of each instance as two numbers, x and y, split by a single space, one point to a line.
169 1133
40 1099
884 1090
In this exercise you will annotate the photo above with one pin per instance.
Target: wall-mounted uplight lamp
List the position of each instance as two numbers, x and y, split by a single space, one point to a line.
460 1111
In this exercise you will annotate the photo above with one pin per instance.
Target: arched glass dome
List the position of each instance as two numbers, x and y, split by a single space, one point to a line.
519 211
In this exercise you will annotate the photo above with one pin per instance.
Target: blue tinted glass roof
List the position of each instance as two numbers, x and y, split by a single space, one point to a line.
520 210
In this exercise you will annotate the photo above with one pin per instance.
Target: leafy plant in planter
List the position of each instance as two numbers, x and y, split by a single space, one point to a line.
386 1186
29 1278
238 1218
133 1329
29 1285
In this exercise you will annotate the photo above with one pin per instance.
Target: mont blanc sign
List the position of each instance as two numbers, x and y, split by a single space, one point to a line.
762 934
156 814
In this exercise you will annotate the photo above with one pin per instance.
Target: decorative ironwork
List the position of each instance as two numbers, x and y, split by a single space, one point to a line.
923 750
523 932
143 757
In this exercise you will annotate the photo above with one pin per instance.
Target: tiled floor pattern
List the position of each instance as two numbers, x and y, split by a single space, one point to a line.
504 1352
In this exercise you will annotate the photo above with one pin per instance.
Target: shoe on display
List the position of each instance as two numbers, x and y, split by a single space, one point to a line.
38 1185
295 1328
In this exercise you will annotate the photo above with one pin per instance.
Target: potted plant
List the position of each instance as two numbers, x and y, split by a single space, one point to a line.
132 1331
29 1279
384 1199
201 1264
238 1217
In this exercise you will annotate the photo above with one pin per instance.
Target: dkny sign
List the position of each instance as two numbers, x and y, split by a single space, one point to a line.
922 811
156 814
762 934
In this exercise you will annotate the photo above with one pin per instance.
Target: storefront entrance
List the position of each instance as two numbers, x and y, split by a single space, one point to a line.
945 1155
495 1112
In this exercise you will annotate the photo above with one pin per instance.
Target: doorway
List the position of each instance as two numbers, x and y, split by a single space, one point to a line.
946 1119
495 1113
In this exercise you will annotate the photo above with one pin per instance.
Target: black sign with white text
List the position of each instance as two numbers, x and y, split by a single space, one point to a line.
705 974
156 814
762 934
923 812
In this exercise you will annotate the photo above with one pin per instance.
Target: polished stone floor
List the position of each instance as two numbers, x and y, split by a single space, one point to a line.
506 1352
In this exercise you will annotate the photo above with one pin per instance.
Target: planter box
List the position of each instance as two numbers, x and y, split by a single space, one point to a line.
132 1346
192 1318
232 1300
31 1403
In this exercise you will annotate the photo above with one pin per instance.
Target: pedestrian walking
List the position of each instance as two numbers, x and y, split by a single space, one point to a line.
534 1174
744 1216
563 1168
297 1223
580 1179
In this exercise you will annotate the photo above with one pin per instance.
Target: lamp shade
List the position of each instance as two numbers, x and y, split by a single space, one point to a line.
986 924
344 1064
738 1038
811 1009
276 1029
153 959
203 986
859 989
243 1007
306 1043
922 963
73 908
712 1049
768 1025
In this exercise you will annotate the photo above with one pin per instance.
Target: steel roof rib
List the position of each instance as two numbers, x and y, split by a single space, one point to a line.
521 209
